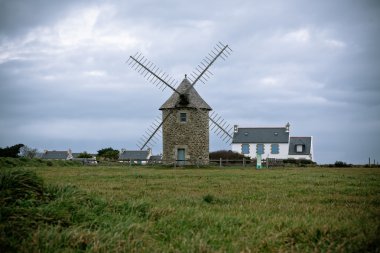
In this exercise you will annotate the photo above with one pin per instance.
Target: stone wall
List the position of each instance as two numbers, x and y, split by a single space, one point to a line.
193 136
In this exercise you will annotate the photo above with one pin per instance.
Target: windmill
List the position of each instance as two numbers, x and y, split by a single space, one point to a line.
186 118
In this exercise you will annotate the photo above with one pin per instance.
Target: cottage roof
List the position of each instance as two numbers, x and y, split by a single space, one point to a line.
134 155
55 155
261 135
155 158
305 141
195 100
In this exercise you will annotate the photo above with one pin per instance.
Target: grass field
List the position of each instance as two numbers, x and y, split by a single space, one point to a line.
140 209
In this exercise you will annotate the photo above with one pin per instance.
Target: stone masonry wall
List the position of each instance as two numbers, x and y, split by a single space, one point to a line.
193 135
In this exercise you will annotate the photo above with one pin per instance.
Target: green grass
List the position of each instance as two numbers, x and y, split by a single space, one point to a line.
141 209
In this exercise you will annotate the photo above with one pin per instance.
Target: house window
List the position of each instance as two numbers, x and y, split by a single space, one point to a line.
183 117
299 148
260 149
275 148
245 148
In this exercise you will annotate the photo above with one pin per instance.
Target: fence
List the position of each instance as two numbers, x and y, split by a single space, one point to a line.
198 163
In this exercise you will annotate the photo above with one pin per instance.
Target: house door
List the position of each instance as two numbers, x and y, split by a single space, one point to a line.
181 156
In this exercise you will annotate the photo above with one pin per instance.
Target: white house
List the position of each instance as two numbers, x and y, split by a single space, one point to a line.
271 142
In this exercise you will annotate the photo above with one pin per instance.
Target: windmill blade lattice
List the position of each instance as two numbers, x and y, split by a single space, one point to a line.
154 131
220 127
201 72
151 72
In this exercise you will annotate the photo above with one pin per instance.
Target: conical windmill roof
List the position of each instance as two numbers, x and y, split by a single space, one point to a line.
195 101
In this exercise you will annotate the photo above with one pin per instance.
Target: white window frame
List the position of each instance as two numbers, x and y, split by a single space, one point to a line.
299 148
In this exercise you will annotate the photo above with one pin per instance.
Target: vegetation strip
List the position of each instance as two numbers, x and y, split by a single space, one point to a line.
118 209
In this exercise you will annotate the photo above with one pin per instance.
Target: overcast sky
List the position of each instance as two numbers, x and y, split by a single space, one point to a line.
316 64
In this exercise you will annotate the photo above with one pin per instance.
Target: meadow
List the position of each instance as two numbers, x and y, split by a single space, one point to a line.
145 209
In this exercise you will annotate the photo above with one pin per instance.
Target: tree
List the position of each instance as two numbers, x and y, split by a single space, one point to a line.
108 153
28 152
84 155
12 151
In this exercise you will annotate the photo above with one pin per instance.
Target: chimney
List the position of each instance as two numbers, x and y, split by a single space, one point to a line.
287 126
236 128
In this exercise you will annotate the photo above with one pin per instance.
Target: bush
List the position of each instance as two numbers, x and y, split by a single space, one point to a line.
84 155
12 151
19 184
226 154
27 207
298 162
341 164
108 153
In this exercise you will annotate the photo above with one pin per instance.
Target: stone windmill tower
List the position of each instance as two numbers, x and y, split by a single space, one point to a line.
185 115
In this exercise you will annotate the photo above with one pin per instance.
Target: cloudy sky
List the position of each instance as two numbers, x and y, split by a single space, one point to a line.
316 64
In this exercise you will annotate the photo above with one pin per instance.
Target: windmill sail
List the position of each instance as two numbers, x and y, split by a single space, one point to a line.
151 72
150 137
202 72
221 127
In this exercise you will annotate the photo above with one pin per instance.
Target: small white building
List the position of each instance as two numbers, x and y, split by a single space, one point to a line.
271 142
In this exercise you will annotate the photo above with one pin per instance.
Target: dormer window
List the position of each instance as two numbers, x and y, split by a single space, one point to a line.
299 148
183 117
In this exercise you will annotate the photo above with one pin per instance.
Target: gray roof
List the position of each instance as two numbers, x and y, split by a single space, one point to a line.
134 155
195 101
55 155
294 141
261 135
155 158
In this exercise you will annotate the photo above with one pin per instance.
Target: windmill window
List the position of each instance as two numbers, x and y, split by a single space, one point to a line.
299 148
260 149
183 117
245 149
275 148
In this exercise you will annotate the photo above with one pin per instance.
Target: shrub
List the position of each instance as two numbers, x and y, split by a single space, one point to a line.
12 151
341 164
108 153
84 155
19 184
298 162
226 154
27 207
